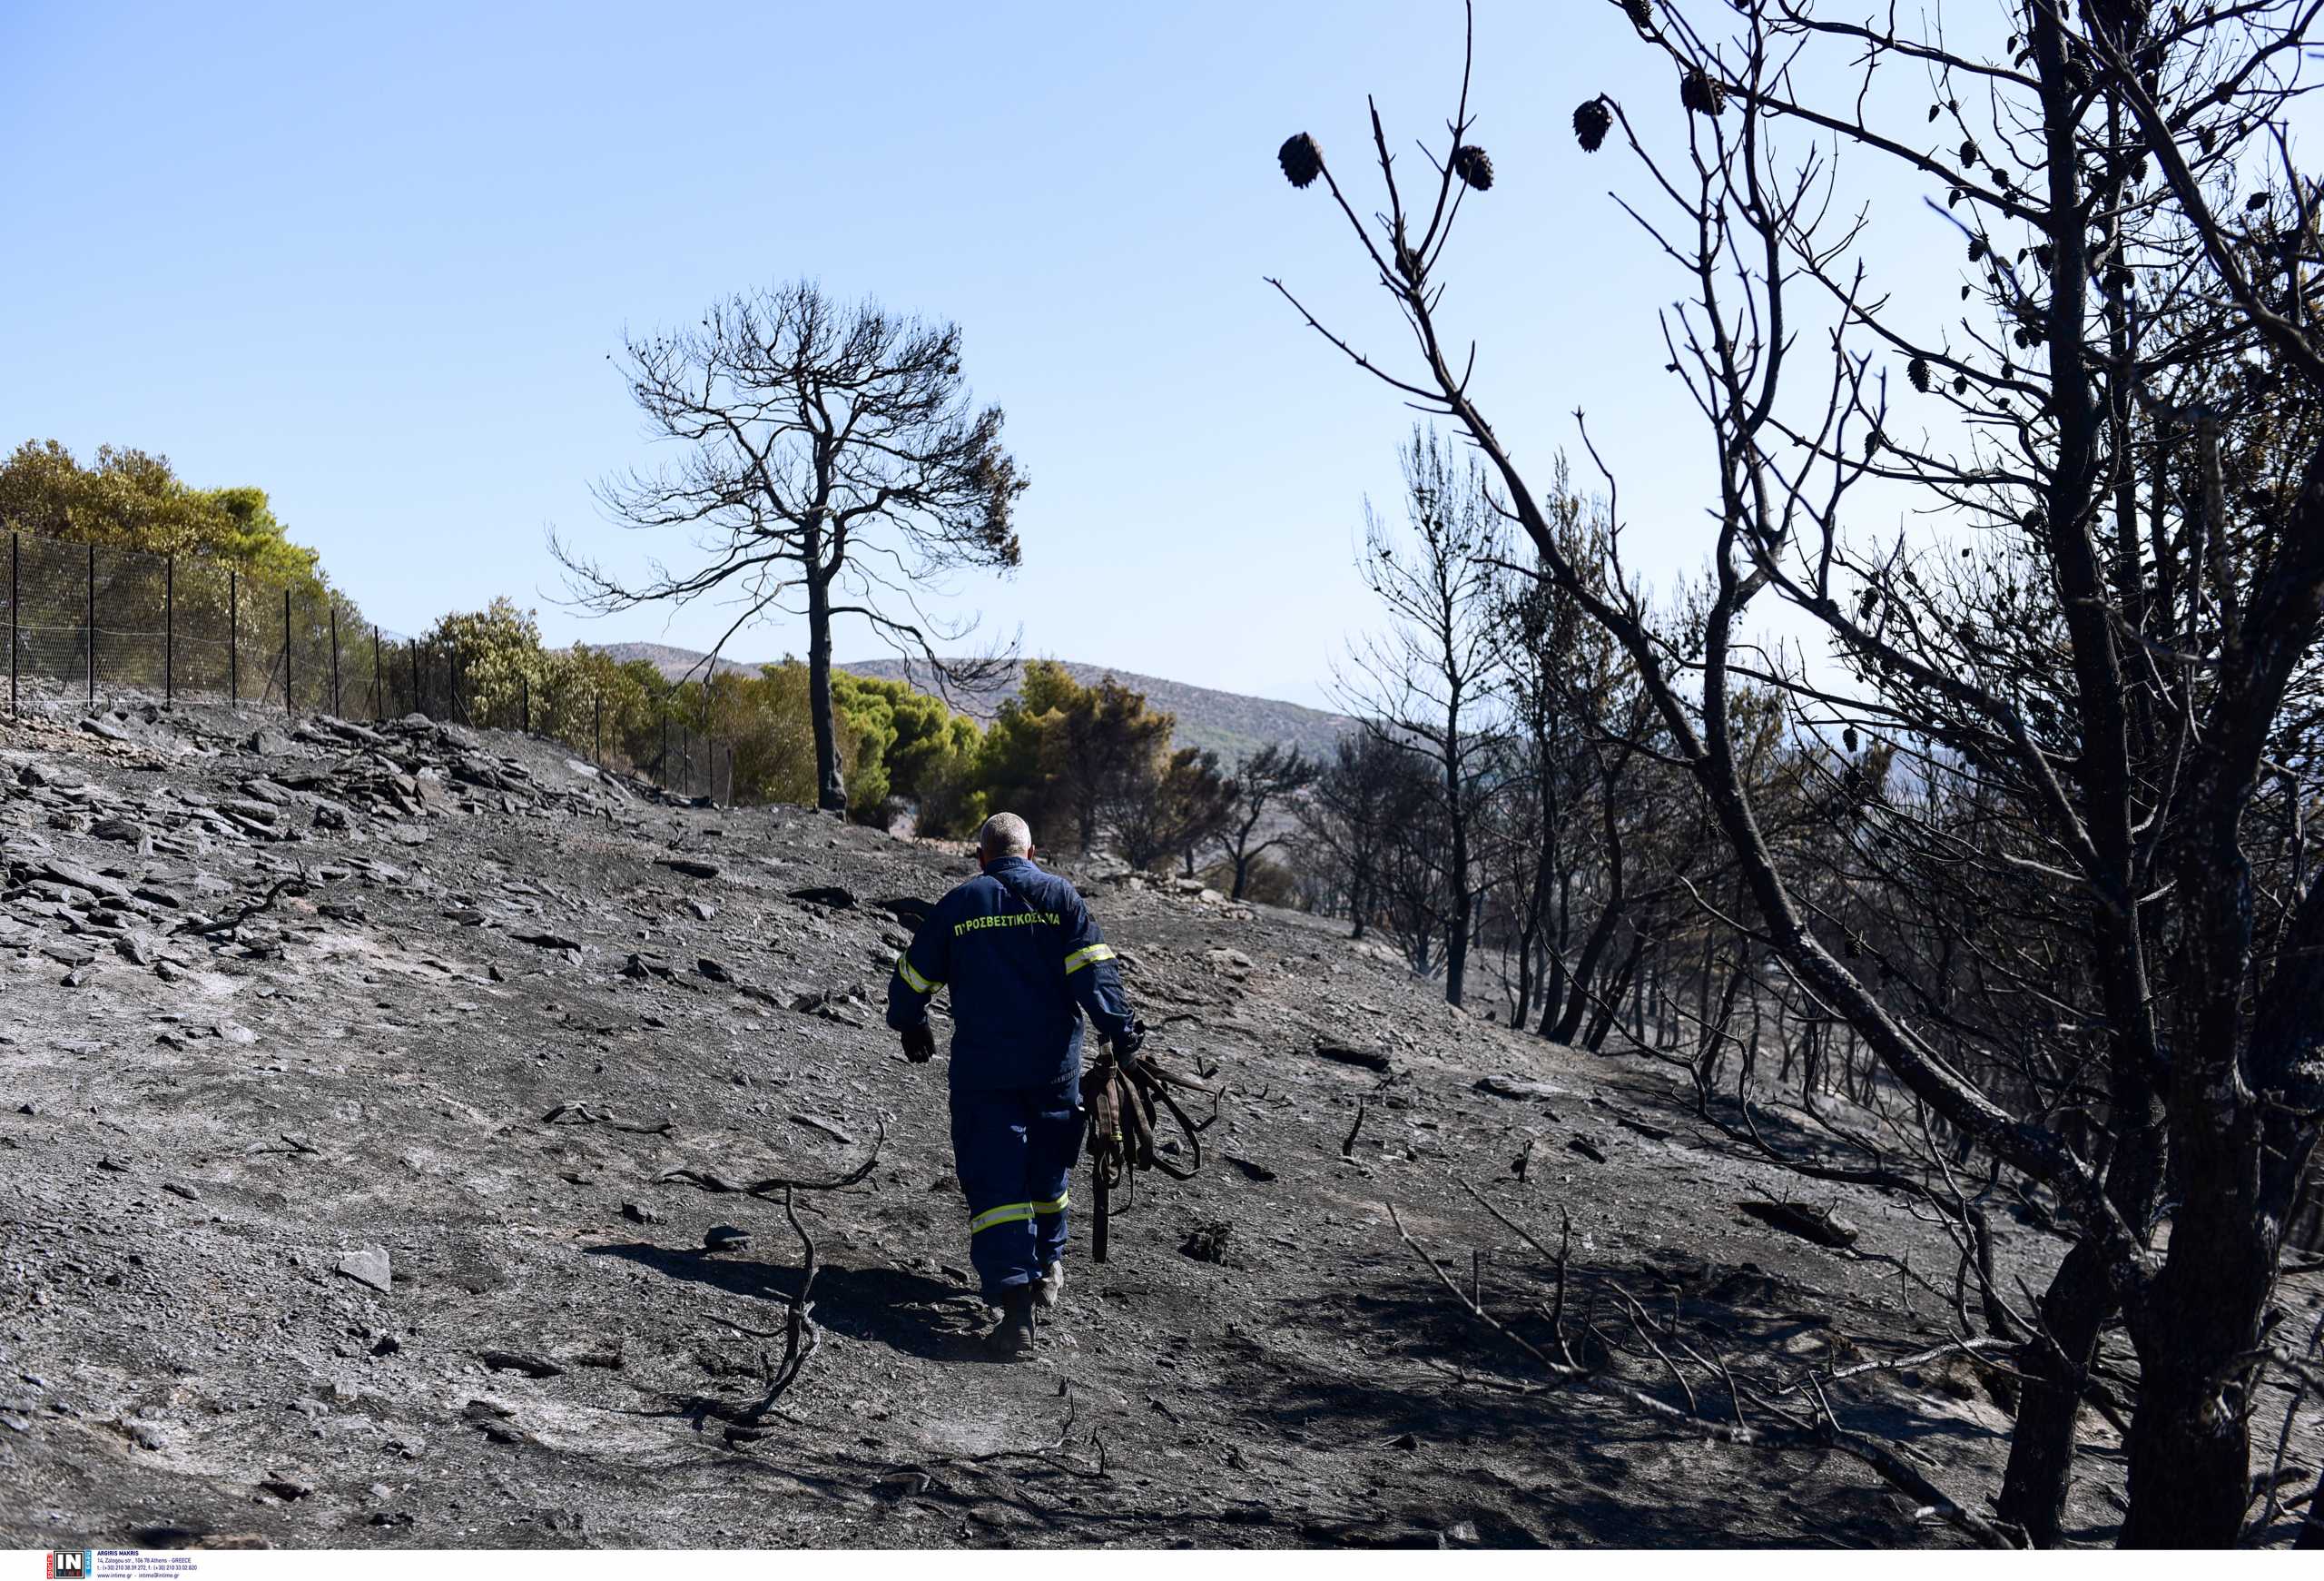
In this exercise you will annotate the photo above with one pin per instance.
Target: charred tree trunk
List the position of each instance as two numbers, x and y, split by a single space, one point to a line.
830 783
2196 1331
2074 1310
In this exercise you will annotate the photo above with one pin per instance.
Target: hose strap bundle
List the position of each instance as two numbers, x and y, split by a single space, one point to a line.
1127 1094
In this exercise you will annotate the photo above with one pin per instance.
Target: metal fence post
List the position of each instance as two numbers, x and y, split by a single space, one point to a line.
170 632
92 625
597 726
525 700
378 699
288 708
665 741
419 701
334 658
15 559
233 639
452 674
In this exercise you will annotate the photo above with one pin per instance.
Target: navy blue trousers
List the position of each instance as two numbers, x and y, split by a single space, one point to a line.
1015 1151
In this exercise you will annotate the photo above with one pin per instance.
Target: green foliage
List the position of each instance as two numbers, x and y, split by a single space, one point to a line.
232 557
256 540
910 747
133 499
502 663
766 717
1071 758
1056 742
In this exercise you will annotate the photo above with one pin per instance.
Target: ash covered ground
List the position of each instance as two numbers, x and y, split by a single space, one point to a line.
344 1064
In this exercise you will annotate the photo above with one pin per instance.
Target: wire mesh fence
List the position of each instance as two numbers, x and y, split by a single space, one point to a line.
90 625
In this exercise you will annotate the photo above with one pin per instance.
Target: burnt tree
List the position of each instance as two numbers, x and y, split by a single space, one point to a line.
2100 640
834 465
1425 686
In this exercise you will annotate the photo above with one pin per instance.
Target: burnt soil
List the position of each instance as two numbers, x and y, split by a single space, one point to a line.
474 1013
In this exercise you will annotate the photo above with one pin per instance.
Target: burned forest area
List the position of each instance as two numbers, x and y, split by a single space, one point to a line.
373 1093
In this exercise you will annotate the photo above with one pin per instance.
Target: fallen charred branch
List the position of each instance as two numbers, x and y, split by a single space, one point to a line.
295 883
710 1181
586 1114
1819 1431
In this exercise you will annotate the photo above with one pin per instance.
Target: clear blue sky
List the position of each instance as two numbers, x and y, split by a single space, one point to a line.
373 258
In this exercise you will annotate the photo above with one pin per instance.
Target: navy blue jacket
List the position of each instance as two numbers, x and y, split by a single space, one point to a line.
1024 959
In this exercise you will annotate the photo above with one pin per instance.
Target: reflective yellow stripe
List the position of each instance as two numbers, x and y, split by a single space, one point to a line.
1081 958
1007 1214
912 979
1057 1206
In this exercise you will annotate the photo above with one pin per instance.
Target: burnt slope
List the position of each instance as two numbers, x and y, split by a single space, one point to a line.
500 996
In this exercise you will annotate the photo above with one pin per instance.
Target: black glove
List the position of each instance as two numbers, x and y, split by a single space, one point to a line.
1123 1047
920 1043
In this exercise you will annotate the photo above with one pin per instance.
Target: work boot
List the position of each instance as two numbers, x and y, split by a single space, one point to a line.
1013 1339
1048 1290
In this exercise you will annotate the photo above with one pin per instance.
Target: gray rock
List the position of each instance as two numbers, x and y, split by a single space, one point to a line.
368 1266
1511 1087
291 1482
547 941
1820 1225
74 876
1346 1052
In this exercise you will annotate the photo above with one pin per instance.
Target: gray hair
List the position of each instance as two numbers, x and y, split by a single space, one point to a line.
1004 834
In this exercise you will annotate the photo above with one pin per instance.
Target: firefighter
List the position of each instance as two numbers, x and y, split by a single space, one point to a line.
1024 961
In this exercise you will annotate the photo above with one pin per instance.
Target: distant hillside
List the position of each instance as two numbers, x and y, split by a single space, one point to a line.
1228 722
1232 725
674 663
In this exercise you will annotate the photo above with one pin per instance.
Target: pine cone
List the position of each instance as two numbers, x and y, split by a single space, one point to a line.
1592 121
1702 96
1977 248
1303 160
1917 373
1961 384
1472 166
1641 13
